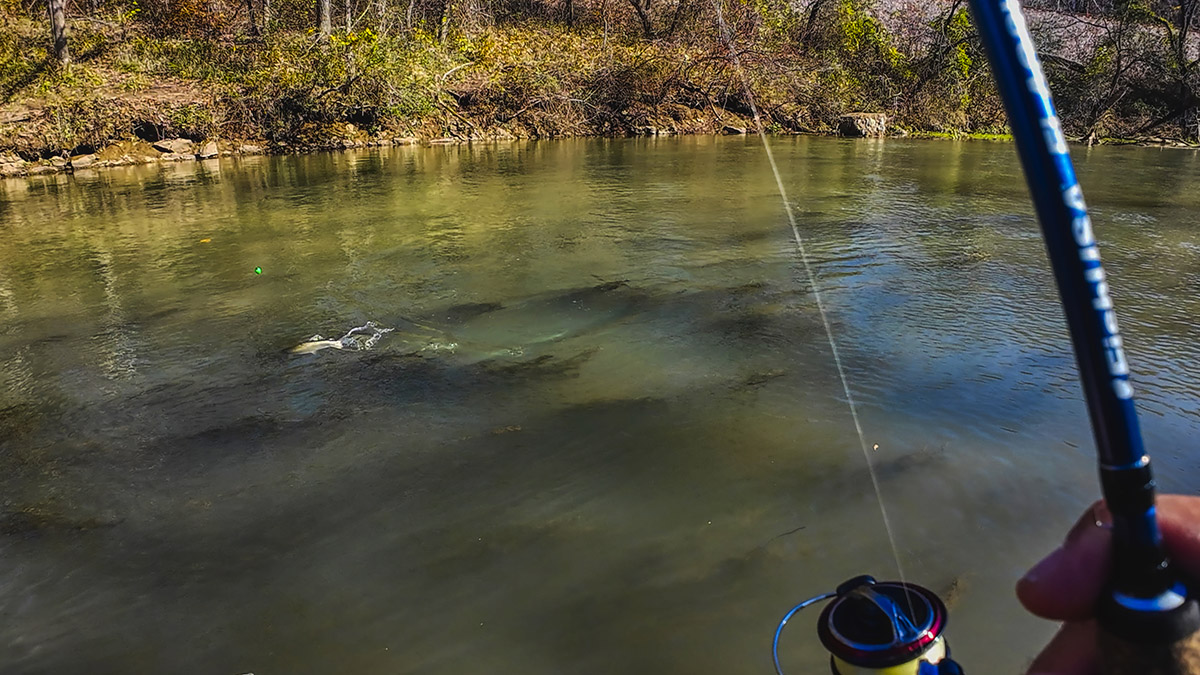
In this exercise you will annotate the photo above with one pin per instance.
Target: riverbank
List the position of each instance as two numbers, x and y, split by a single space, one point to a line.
143 86
291 93
145 77
134 152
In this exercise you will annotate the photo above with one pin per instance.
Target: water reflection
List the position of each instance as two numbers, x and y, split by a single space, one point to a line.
635 454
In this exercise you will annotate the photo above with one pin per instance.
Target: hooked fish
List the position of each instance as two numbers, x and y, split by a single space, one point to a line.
315 346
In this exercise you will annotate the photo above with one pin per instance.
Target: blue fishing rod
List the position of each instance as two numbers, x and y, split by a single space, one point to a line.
1149 619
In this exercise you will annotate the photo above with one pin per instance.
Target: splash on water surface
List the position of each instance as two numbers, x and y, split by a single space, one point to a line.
355 339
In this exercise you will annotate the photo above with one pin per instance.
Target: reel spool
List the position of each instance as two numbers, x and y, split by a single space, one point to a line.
880 628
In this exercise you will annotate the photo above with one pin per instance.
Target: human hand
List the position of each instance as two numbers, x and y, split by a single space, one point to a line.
1066 585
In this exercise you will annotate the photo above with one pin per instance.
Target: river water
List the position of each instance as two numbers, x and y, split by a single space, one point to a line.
605 433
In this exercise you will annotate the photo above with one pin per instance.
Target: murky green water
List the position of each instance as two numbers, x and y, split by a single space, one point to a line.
605 435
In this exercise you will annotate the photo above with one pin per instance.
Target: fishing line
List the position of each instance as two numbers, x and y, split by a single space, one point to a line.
812 281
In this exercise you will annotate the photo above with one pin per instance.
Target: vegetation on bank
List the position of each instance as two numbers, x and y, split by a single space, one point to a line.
298 75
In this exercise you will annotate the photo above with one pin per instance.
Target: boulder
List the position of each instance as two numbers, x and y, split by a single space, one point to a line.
82 161
11 165
249 149
41 169
176 146
128 152
7 170
208 150
862 124
176 156
730 130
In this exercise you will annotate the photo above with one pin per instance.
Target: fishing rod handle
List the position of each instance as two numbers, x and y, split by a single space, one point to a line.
1159 636
1119 656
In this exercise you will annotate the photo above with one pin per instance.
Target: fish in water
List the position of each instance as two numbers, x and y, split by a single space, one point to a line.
353 339
313 346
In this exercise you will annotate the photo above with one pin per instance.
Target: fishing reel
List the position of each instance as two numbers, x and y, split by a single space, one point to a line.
880 627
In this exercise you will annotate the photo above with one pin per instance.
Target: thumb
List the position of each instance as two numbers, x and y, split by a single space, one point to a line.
1066 584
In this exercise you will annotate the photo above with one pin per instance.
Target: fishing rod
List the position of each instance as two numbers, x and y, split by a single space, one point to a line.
1149 619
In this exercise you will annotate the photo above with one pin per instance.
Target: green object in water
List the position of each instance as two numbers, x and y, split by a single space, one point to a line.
258 270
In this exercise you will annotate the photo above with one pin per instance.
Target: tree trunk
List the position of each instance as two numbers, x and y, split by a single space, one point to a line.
325 15
253 23
348 22
58 30
643 14
810 25
444 30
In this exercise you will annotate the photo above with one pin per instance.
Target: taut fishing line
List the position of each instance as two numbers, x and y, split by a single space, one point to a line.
727 36
868 626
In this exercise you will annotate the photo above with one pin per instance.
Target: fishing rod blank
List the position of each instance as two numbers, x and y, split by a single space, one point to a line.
1151 621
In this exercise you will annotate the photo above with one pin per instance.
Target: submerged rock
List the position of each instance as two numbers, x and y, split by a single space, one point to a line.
953 591
467 311
35 520
761 377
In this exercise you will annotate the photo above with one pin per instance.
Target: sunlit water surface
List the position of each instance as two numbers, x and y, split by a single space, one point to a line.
605 434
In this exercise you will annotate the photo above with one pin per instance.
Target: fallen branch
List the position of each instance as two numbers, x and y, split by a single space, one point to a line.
454 112
343 87
448 73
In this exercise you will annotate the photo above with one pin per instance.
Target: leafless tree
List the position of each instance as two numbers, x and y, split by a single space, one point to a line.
642 9
325 17
253 19
444 24
58 30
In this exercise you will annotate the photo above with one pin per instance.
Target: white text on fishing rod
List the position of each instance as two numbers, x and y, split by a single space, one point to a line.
1081 224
